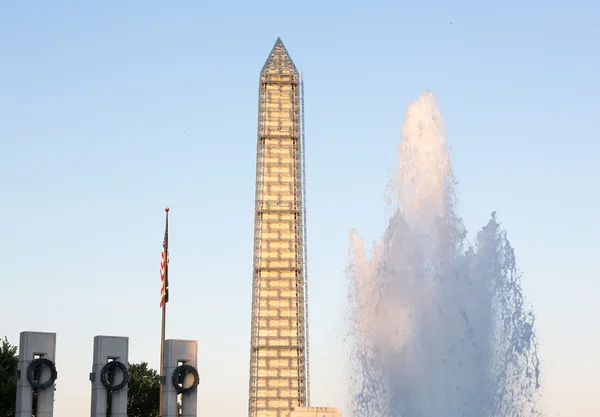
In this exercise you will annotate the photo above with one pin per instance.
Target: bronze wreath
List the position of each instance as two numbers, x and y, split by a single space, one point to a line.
34 366
179 373
110 367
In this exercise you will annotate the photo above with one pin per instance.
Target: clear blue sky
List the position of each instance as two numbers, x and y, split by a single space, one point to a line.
110 111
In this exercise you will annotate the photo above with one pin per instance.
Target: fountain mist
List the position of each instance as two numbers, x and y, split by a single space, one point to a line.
439 329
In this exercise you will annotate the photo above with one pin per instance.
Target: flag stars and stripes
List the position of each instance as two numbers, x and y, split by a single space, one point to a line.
164 261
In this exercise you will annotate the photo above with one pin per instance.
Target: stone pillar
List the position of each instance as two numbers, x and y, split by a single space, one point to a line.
108 349
178 352
34 345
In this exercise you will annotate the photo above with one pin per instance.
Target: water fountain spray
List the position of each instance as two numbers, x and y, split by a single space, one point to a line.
439 328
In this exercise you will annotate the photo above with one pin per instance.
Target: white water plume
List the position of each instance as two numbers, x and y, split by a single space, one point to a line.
439 330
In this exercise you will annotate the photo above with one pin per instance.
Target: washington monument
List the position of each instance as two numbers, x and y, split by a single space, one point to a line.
279 340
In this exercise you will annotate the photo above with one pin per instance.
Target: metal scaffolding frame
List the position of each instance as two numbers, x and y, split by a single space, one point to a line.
305 253
279 339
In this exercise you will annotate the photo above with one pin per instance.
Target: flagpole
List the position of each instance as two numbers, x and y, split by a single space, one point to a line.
164 313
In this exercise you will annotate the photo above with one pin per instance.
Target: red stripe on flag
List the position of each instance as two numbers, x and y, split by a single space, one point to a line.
163 266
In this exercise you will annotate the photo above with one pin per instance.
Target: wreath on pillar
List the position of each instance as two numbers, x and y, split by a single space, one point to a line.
179 375
34 371
109 369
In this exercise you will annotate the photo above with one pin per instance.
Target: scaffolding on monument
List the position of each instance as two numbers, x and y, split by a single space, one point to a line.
278 364
304 249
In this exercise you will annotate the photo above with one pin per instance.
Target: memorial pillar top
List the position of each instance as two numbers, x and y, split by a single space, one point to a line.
113 347
32 344
177 350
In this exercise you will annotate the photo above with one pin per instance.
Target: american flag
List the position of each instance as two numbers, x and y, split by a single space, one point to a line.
164 261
